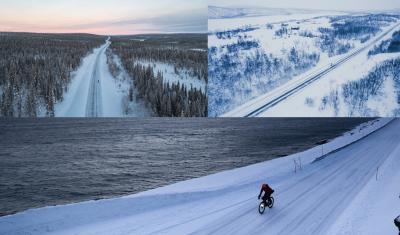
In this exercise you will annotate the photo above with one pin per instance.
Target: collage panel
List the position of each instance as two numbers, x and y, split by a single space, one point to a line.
184 117
199 176
269 59
139 60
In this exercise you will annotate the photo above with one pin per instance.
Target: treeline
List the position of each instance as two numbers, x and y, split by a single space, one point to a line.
112 65
242 44
357 27
35 70
184 53
228 34
387 46
333 39
165 99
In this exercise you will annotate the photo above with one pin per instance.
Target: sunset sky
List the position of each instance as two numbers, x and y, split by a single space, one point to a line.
107 17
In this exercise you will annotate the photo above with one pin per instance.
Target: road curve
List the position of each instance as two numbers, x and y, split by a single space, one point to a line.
260 104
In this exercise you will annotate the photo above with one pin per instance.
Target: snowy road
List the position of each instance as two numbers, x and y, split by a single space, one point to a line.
259 105
94 104
311 201
93 92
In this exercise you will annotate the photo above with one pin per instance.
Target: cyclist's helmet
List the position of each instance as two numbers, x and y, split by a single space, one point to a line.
264 186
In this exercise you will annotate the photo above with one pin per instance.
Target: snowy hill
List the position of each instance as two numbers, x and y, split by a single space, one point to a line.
325 189
215 12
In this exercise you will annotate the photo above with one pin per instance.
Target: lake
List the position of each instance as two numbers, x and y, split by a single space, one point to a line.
57 161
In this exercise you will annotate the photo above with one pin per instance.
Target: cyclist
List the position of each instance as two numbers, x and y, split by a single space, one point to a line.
397 222
268 191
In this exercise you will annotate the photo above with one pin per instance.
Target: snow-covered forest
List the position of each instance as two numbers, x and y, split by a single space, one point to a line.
167 72
35 70
357 93
381 83
387 46
246 61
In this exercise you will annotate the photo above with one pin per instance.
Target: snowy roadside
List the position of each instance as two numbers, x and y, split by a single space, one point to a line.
277 166
134 108
376 206
197 198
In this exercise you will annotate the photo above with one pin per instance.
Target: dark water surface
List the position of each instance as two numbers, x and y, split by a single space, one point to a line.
56 161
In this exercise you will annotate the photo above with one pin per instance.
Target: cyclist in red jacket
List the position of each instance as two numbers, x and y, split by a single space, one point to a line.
268 191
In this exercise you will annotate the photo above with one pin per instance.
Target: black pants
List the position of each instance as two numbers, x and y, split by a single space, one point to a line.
266 197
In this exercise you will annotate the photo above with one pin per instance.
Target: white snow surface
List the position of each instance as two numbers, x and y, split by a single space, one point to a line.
331 194
110 97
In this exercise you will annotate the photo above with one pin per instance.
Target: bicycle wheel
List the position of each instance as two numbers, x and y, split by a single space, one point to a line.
271 202
261 208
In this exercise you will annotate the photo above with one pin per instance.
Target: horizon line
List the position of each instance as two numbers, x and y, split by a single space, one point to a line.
94 34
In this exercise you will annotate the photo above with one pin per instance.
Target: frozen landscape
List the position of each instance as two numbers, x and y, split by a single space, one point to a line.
301 63
82 75
324 190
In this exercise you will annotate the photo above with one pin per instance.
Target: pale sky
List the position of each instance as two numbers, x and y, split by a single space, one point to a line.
314 4
104 16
